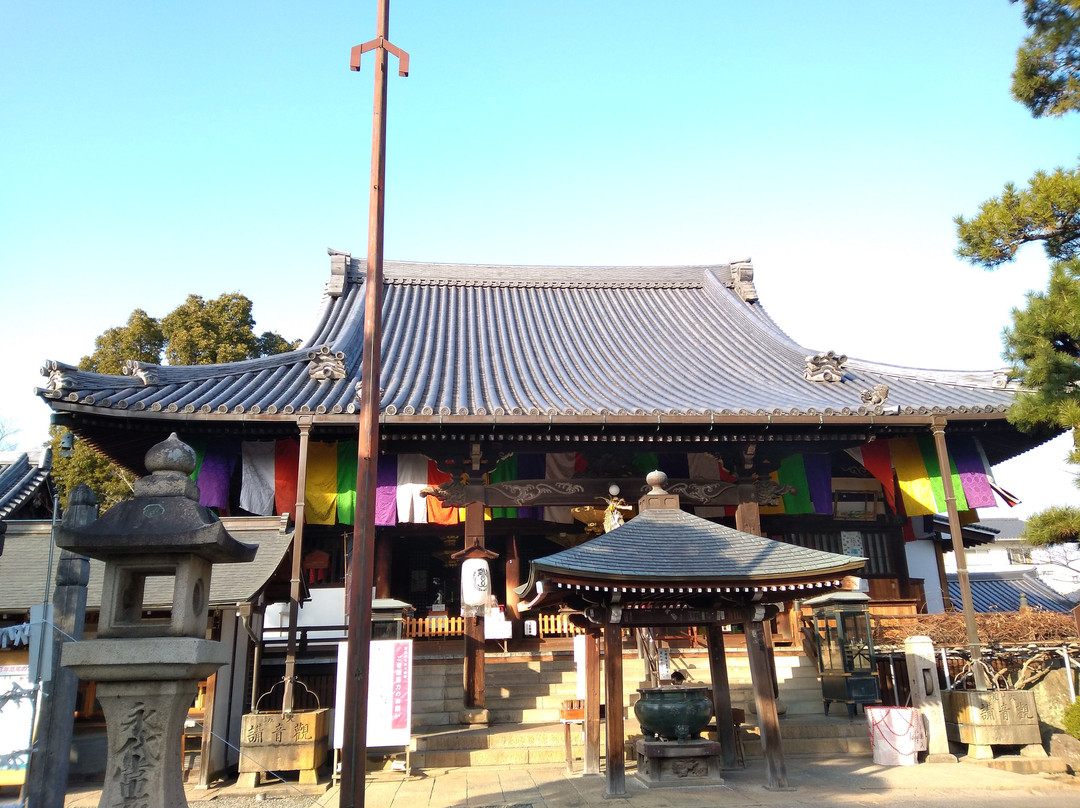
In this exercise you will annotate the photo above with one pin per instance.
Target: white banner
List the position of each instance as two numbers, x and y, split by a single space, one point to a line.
16 717
389 712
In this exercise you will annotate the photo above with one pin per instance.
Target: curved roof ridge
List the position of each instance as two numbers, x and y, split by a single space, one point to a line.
991 377
406 272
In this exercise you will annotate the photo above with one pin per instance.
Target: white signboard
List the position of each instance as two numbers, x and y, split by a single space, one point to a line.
16 716
389 712
497 627
851 542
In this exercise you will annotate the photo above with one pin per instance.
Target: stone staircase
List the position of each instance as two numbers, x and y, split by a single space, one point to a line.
525 693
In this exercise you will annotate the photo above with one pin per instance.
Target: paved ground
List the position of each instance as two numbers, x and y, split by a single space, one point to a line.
816 784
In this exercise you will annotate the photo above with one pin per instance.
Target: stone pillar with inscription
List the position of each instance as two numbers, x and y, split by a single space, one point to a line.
151 651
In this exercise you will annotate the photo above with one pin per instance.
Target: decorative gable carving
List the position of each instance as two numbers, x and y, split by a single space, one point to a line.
825 367
326 364
145 372
878 394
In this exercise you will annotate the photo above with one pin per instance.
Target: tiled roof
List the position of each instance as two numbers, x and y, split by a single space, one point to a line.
1000 592
21 476
664 547
25 562
538 342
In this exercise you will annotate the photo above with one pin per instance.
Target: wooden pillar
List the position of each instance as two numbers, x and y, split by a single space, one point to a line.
962 578
304 423
721 694
757 651
513 580
616 753
592 701
748 512
943 578
207 735
383 555
473 675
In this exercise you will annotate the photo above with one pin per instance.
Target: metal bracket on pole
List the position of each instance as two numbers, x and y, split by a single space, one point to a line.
379 42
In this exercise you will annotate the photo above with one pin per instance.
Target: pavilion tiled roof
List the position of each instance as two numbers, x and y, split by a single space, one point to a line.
534 343
999 591
669 547
21 477
24 565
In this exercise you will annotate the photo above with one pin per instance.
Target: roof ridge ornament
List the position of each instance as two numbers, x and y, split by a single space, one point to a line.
60 376
326 364
339 270
143 371
876 395
742 280
825 367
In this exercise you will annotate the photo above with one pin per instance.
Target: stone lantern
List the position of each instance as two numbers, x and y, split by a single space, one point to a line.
148 668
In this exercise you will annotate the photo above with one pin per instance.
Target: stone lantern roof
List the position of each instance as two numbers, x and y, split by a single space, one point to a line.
164 517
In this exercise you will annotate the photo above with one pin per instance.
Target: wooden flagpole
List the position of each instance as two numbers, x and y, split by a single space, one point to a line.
354 743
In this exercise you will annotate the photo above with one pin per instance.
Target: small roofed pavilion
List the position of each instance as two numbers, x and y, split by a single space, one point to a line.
666 567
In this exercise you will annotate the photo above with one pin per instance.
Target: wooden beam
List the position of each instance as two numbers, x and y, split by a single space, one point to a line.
616 753
757 651
721 693
592 701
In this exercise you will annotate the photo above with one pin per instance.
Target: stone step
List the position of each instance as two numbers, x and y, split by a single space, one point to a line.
1022 764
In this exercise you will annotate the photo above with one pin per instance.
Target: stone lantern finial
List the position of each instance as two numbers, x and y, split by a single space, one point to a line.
657 498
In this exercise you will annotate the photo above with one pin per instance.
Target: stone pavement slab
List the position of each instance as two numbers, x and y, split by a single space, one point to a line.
816 783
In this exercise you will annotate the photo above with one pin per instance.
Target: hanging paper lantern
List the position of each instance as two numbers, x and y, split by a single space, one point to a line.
475 583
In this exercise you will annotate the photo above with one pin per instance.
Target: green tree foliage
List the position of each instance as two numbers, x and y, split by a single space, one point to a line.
1054 526
1044 346
198 332
1071 719
81 464
1046 79
141 339
1043 343
209 332
1046 211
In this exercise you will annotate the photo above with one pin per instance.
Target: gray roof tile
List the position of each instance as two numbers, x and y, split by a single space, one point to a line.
1000 592
21 476
492 340
672 546
25 562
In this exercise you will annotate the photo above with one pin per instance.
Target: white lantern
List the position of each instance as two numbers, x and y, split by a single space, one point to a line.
475 586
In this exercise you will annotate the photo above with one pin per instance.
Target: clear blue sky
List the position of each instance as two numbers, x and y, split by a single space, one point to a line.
152 150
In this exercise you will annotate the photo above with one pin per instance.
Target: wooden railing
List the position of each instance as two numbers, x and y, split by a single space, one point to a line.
434 626
558 625
548 625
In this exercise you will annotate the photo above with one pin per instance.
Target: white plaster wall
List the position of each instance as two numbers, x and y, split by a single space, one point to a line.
922 563
326 608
